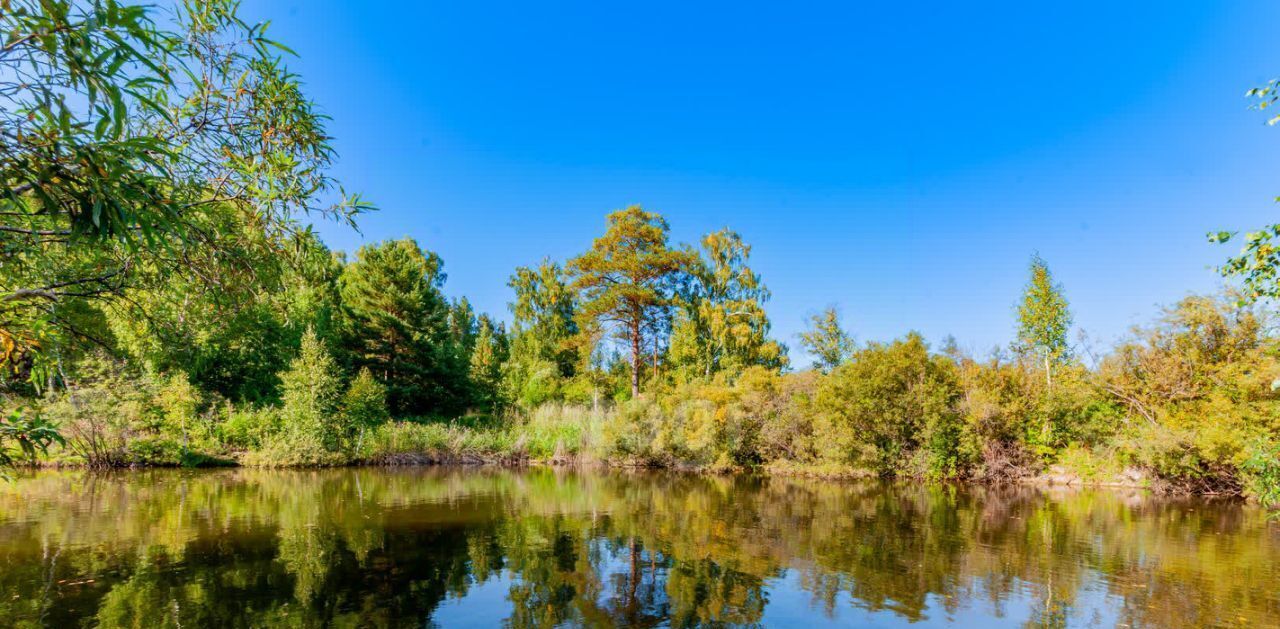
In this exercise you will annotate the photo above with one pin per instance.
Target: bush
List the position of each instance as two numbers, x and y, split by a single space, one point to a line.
1261 472
364 407
787 434
1198 386
113 416
247 428
632 433
310 429
887 401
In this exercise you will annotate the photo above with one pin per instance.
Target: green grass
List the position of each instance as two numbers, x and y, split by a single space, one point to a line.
551 433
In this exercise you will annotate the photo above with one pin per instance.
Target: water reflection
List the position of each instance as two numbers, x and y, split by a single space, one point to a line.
544 547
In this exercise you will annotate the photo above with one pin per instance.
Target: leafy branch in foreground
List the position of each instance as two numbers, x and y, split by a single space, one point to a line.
1258 263
122 130
31 435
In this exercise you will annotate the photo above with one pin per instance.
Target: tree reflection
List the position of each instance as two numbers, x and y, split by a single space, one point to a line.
386 548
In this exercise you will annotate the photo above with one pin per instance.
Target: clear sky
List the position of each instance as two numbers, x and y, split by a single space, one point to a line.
901 160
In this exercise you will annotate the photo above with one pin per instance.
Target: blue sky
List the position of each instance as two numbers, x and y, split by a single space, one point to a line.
899 160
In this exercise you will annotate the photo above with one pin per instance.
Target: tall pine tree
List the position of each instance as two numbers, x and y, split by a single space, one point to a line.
627 278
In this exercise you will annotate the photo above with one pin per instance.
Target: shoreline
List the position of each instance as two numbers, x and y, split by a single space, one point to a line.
1050 479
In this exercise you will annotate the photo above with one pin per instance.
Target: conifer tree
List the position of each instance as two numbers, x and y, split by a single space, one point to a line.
396 323
627 278
462 326
311 388
487 357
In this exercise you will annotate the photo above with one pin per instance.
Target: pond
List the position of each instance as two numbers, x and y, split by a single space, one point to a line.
485 547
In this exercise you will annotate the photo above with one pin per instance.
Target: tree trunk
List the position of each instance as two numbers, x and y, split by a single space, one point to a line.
635 359
655 359
1047 432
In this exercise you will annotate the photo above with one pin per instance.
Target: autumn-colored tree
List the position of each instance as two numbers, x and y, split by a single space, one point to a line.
1044 320
722 325
826 340
627 278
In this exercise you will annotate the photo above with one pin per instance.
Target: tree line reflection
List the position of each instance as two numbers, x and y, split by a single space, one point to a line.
372 547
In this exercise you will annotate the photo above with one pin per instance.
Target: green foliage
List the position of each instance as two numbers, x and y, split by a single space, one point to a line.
233 341
396 439
627 279
553 433
725 426
633 434
1198 385
247 428
194 310
363 407
1261 471
488 354
829 344
115 416
310 424
1257 265
124 133
543 354
560 433
23 437
1044 321
178 402
887 402
722 325
395 322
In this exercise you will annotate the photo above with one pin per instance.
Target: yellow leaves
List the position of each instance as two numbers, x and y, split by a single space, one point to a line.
14 348
8 347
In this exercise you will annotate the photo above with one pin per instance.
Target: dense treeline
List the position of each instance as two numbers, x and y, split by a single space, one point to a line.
165 303
644 352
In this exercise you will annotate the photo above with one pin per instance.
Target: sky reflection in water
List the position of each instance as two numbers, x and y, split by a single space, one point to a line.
542 547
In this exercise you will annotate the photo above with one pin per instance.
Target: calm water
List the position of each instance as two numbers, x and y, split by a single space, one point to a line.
441 547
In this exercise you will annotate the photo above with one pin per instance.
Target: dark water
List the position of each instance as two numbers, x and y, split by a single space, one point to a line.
435 547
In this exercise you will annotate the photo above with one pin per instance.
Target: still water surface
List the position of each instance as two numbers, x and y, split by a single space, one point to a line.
541 547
